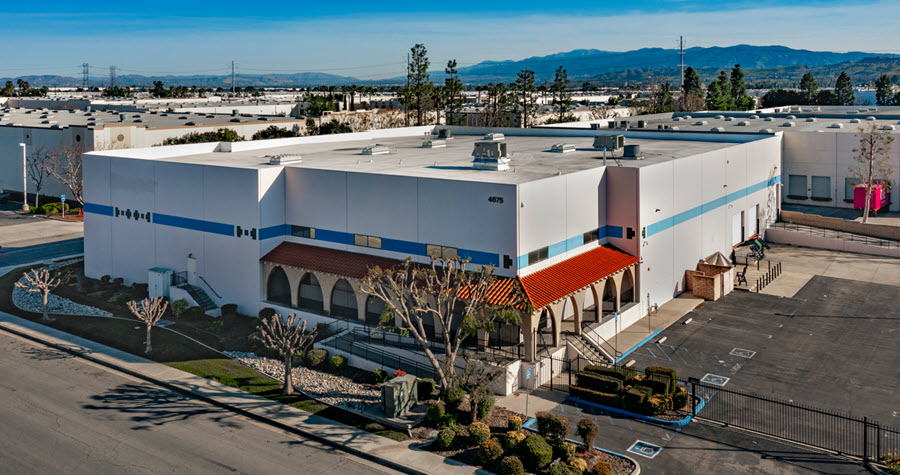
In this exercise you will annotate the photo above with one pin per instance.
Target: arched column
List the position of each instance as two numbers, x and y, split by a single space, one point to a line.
326 283
617 283
577 302
627 289
528 324
556 309
361 299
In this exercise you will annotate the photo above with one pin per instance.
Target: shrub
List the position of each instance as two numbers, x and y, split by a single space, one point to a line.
434 414
587 430
655 405
579 463
602 468
514 423
425 387
193 313
229 309
267 312
513 438
379 376
449 420
511 465
563 449
179 306
661 373
399 373
34 210
536 452
122 298
118 281
54 208
606 399
454 398
599 382
552 426
621 373
892 462
479 432
490 450
445 439
633 399
485 405
338 362
105 279
316 356
563 469
680 399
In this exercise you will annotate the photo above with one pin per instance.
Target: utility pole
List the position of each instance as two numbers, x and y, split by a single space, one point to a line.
232 77
112 76
406 106
86 76
681 54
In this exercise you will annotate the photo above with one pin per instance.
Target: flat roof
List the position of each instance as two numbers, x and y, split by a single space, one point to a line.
528 149
61 118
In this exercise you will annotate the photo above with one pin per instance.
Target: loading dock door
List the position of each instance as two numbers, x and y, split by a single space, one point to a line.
751 221
736 226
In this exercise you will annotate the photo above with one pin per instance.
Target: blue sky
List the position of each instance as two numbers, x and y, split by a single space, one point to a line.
369 39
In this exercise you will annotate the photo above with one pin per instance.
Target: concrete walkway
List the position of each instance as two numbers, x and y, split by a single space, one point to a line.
396 455
637 334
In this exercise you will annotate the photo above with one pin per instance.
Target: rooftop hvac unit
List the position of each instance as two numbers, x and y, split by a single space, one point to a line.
791 117
493 136
562 148
122 117
612 124
434 143
743 123
641 124
445 134
701 122
623 124
490 156
632 152
284 158
811 119
887 127
610 143
376 149
686 117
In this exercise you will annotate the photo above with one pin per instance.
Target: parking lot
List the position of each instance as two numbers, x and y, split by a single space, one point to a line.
25 238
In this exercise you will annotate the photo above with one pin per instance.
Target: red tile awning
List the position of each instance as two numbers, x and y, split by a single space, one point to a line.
330 261
571 275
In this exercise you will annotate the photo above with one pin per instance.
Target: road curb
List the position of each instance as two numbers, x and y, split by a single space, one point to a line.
77 350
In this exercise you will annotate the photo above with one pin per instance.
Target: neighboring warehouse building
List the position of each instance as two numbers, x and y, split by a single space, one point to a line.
51 129
294 224
818 144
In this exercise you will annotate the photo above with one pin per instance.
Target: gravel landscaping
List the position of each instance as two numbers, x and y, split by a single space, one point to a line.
33 301
331 389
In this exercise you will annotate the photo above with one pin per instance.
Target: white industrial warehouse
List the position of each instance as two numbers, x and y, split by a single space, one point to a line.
587 227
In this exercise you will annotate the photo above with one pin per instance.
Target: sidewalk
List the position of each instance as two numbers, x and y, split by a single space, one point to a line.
646 328
396 455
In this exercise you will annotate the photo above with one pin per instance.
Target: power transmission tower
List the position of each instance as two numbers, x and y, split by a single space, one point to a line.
112 76
232 77
86 78
681 54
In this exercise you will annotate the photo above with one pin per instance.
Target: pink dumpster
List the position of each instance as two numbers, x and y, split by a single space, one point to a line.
879 197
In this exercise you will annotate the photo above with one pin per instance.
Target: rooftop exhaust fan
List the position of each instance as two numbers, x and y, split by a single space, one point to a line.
376 149
445 134
490 155
562 148
632 152
285 158
434 143
494 136
610 143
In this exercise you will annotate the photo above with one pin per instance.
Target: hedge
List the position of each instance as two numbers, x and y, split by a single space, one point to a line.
680 399
434 414
668 372
659 383
536 452
563 469
598 397
633 399
619 373
598 382
552 426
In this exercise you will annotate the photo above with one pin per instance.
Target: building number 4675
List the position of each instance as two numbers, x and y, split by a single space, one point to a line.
495 199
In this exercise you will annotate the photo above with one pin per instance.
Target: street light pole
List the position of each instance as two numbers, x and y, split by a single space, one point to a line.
24 180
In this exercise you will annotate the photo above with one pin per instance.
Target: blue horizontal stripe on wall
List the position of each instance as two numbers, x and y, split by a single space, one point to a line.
571 243
403 247
194 224
480 258
612 231
696 211
274 231
98 209
338 237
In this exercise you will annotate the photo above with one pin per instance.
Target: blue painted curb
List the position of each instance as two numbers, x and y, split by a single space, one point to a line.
641 417
533 421
642 343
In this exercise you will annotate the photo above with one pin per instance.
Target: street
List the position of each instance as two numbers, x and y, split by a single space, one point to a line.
59 413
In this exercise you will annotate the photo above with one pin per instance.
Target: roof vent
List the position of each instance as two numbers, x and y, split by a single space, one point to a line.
887 127
717 129
191 123
183 117
494 136
490 156
445 134
235 120
565 147
701 122
434 143
766 131
754 116
285 158
870 118
791 117
836 125
768 119
674 127
263 118
719 117
610 143
632 152
811 119
729 119
788 124
743 123
687 117
854 121
376 149
676 119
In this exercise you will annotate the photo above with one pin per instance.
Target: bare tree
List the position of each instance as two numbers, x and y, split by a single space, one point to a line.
457 299
286 337
40 165
481 371
872 162
149 311
66 168
43 281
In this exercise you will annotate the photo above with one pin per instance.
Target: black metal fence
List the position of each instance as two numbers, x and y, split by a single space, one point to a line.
835 234
830 430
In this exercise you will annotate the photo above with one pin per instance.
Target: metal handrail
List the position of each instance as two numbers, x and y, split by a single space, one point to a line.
837 234
209 286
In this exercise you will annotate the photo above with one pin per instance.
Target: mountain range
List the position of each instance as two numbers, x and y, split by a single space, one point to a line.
774 64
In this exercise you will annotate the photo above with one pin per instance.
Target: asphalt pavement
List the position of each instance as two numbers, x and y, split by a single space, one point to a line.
60 413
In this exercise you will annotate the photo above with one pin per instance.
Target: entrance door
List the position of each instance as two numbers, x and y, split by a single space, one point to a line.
736 227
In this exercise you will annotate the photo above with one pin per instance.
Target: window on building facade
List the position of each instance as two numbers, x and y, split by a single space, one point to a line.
303 231
367 241
441 252
849 186
538 255
821 188
592 236
797 189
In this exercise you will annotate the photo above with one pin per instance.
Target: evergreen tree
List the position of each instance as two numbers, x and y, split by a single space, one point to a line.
417 95
740 100
692 92
562 98
718 93
809 88
452 92
884 94
523 90
843 90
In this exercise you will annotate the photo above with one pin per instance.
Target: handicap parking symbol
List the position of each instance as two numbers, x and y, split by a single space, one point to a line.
644 449
715 379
